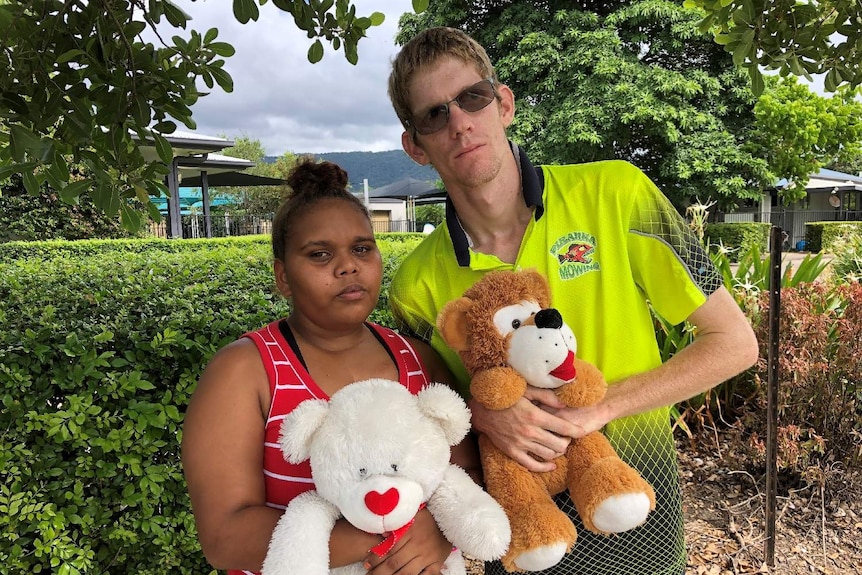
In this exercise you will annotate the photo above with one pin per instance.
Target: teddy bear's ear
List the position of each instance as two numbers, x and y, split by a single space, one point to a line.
452 323
442 404
299 427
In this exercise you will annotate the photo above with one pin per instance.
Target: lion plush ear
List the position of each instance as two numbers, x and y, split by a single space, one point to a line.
452 323
538 286
299 427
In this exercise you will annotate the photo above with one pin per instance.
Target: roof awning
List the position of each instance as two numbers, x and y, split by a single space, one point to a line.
223 179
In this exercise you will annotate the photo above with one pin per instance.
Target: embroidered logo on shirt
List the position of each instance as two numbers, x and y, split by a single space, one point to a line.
575 253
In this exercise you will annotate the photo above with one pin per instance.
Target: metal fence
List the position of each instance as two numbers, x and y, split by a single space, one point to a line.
195 226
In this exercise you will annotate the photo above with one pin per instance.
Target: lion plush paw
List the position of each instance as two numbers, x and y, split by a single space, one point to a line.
620 513
541 558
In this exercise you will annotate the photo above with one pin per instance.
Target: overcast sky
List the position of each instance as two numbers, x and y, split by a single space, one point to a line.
289 104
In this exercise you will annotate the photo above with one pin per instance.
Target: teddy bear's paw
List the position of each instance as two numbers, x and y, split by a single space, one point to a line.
541 558
620 513
454 565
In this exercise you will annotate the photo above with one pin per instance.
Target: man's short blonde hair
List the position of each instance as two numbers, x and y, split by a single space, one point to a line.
426 49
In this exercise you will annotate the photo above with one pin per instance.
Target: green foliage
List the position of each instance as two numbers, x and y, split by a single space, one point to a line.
735 238
822 236
45 216
79 82
799 132
795 38
847 264
47 250
394 247
633 80
99 353
257 200
430 214
820 367
820 370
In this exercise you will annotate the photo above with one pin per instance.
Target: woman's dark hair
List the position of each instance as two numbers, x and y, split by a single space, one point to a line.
310 181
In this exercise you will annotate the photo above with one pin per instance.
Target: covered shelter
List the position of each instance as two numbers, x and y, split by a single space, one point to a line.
412 192
197 163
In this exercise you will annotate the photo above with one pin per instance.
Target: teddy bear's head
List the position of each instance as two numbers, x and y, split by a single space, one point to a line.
377 451
505 319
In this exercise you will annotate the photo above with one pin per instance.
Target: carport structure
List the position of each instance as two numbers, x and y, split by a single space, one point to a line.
196 163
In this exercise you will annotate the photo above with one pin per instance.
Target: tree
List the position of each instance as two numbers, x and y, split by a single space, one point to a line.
793 37
80 83
632 80
799 132
433 214
24 217
258 200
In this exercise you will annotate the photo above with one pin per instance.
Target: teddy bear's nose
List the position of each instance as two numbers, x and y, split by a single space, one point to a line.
382 503
549 318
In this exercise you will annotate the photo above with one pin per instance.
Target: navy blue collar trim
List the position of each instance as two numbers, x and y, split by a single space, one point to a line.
532 186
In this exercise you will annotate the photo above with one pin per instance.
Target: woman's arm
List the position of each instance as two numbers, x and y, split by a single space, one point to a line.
222 453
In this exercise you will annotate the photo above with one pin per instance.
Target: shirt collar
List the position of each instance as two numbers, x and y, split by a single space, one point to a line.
532 186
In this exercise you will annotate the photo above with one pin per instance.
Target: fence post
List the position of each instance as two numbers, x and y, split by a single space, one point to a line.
776 241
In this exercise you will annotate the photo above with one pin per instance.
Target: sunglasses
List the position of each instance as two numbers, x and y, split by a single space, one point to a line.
472 99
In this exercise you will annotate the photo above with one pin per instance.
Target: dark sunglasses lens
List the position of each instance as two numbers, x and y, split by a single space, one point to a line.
476 97
432 121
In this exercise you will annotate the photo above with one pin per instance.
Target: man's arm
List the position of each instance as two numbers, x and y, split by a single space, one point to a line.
724 345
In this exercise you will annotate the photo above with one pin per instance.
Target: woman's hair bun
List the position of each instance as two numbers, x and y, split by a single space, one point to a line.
312 178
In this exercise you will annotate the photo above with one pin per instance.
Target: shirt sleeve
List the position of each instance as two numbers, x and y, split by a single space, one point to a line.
668 260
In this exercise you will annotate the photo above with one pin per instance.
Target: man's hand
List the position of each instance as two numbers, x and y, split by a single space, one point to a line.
529 432
422 549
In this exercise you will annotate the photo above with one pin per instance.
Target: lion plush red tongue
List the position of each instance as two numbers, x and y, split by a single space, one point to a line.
566 371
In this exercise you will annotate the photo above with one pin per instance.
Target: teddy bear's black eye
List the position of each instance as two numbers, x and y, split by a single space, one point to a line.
516 323
395 467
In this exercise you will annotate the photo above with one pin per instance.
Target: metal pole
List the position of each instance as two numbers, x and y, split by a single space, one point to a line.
205 199
776 241
365 193
175 223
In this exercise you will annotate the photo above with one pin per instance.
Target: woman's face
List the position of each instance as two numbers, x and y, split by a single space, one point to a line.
332 268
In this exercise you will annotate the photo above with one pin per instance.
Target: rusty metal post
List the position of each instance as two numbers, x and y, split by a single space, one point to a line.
776 240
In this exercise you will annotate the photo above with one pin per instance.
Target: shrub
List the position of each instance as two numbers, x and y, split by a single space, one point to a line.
27 218
822 236
820 378
14 251
99 353
737 237
847 264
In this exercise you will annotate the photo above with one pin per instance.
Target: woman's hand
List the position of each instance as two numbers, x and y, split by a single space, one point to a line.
422 549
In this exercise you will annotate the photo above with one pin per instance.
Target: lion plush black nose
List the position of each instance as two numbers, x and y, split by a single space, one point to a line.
549 318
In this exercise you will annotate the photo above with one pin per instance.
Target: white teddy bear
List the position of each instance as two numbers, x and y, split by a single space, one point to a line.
378 453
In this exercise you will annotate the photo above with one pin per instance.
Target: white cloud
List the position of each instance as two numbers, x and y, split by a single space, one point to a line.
289 104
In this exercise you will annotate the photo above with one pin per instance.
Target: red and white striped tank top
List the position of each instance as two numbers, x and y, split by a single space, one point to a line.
290 384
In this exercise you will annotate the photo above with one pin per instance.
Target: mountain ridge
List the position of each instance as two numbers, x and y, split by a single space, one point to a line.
379 168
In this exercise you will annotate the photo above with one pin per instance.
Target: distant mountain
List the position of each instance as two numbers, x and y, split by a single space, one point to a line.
380 168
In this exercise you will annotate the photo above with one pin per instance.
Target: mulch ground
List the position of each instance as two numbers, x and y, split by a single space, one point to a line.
818 528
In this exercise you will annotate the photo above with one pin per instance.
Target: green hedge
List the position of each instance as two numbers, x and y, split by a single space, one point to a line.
13 251
823 236
738 237
99 353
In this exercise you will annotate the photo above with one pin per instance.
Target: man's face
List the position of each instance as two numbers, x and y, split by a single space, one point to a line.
469 149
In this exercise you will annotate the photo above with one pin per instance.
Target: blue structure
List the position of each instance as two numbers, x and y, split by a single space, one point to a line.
190 198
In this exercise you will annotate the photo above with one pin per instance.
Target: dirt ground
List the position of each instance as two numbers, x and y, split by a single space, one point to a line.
817 531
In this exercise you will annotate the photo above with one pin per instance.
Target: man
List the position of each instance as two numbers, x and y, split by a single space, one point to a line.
611 246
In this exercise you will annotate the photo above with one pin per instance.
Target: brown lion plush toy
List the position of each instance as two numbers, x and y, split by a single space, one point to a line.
509 337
